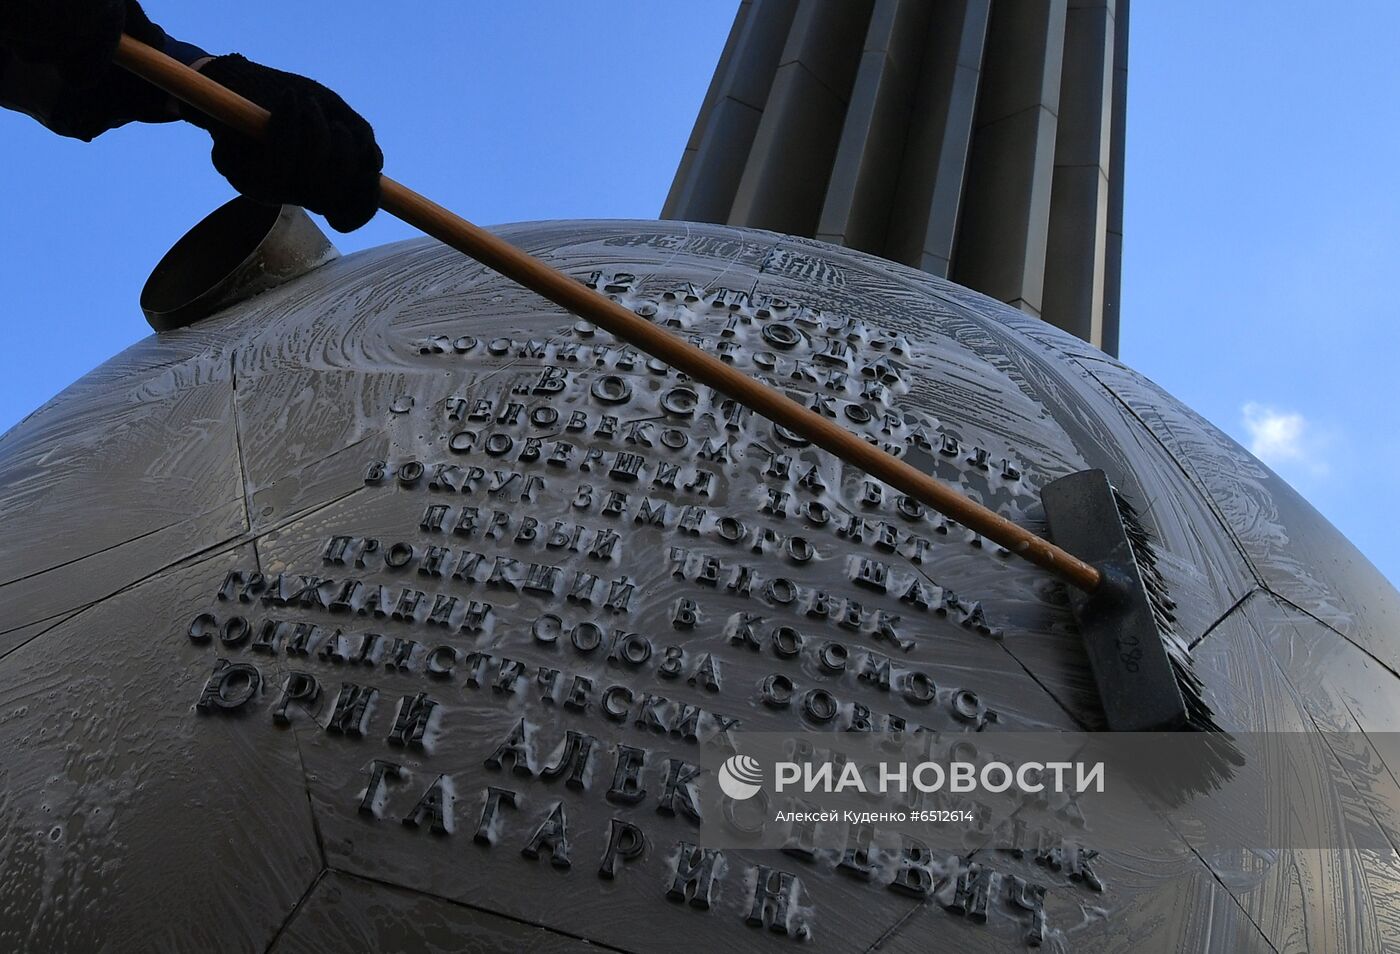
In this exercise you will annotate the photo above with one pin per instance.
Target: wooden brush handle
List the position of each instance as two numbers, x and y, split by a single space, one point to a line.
247 117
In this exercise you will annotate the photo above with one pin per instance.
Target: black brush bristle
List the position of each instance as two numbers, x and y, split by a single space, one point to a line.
1198 712
1199 715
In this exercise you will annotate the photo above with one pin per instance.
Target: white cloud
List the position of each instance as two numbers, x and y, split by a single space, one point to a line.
1283 439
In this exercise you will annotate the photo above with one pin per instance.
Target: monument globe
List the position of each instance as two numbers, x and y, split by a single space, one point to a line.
377 604
422 596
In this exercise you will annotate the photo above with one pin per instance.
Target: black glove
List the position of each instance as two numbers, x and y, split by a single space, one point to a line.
319 153
68 46
78 35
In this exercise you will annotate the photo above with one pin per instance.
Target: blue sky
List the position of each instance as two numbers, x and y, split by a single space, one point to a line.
1262 211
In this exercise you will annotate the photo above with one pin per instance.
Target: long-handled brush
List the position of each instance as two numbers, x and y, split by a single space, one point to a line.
1142 669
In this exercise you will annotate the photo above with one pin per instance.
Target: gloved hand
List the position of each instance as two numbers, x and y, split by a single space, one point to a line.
79 35
319 153
72 41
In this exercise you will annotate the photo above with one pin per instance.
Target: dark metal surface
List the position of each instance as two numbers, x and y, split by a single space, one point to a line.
387 609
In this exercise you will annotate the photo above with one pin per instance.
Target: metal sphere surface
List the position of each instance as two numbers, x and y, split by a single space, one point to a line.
386 610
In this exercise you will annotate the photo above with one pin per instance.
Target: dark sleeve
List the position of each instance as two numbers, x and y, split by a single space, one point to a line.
85 111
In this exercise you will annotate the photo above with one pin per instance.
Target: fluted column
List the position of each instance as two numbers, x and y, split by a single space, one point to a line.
980 140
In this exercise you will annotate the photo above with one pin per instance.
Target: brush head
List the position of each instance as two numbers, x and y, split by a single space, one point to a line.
1141 665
